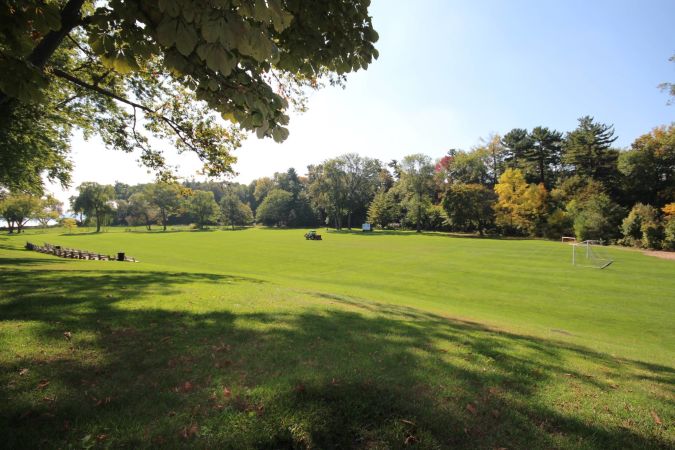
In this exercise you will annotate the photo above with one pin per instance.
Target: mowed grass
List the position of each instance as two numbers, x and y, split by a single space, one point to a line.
260 339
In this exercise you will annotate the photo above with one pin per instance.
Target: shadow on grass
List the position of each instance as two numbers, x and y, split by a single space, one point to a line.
359 375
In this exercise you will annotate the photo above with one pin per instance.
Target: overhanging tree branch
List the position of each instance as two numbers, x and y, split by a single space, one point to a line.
180 132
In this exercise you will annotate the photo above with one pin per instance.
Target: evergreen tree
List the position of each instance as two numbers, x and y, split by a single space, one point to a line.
517 143
588 152
545 154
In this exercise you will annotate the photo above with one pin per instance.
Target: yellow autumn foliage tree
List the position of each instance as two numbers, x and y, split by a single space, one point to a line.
520 206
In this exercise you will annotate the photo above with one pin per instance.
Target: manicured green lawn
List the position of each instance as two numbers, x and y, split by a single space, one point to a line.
260 339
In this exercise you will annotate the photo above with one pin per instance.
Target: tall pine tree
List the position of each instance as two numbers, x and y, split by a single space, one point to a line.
588 152
545 153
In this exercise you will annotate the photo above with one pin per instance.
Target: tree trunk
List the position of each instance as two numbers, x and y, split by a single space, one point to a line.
541 172
349 220
98 223
495 175
164 219
419 217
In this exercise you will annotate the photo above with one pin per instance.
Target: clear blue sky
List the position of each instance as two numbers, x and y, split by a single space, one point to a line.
451 72
505 64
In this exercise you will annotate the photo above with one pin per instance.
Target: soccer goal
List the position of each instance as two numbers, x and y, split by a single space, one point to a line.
590 254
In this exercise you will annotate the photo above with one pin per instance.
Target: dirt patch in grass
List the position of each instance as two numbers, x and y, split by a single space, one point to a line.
661 254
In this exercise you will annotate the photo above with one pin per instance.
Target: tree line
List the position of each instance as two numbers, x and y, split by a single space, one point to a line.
539 182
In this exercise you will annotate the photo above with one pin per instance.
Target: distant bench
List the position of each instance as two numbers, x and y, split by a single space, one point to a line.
72 253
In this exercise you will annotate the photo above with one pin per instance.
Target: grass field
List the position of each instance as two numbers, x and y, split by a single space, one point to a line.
259 339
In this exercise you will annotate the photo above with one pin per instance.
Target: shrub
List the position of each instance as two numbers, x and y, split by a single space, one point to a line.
558 224
641 228
436 219
595 217
669 233
69 224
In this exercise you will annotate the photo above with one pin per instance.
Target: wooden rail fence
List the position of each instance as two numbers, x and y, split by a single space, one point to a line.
72 253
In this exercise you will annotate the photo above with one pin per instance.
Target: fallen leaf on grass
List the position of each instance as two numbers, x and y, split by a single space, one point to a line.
49 399
221 348
43 384
227 392
410 440
101 401
657 419
23 372
67 334
471 408
101 437
189 431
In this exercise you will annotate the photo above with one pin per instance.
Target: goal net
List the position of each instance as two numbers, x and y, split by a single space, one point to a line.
590 254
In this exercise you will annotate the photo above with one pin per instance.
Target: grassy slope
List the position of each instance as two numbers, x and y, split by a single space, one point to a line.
356 341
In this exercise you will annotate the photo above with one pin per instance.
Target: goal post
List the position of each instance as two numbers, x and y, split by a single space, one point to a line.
589 254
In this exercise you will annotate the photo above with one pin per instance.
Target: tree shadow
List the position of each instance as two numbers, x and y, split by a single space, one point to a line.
345 374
